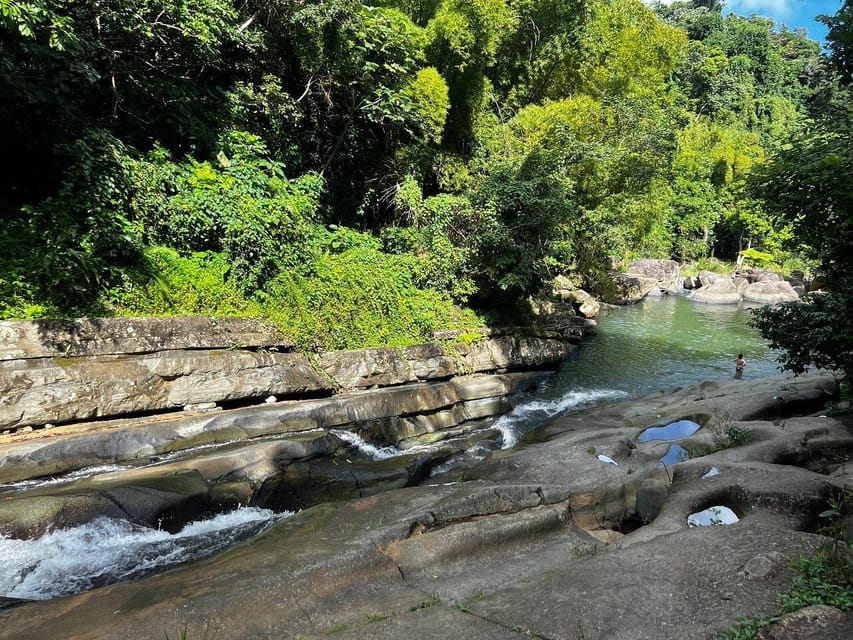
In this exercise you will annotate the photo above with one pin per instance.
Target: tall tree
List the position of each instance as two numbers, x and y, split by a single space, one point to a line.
839 40
810 183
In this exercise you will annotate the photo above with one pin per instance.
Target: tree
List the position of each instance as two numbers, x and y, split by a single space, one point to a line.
839 40
142 71
626 50
464 37
810 183
540 55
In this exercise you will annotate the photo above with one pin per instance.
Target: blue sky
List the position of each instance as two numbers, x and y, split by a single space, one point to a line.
793 13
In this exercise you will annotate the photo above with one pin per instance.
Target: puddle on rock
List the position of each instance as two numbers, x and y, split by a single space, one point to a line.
671 431
712 516
675 455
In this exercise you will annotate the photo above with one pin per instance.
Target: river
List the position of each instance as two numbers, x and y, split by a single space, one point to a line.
667 342
660 343
657 344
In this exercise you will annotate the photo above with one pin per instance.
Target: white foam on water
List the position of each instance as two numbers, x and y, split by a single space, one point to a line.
372 451
471 455
540 410
79 474
107 550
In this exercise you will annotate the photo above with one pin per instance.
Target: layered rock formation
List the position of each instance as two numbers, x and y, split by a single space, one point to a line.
542 540
60 372
157 402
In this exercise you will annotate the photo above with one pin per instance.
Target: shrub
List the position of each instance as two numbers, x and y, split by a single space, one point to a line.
242 205
171 284
359 297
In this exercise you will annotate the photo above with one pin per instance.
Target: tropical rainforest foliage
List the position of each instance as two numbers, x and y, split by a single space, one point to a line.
367 172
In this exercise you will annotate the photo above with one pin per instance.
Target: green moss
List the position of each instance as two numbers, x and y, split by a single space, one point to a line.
469 337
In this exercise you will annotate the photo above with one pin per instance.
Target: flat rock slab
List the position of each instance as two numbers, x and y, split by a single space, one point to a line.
59 390
508 554
111 336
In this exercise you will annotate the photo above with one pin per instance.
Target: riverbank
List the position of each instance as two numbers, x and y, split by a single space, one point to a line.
546 539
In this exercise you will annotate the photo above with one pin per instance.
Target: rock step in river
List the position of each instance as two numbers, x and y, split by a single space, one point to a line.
544 539
540 540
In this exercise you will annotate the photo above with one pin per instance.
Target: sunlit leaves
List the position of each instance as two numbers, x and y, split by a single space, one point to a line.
626 50
429 102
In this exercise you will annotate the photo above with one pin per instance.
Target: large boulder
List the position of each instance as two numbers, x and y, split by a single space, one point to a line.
762 275
631 289
561 287
583 303
706 277
720 291
565 292
691 282
769 292
666 272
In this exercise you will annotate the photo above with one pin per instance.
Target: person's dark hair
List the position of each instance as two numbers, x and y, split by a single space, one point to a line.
740 355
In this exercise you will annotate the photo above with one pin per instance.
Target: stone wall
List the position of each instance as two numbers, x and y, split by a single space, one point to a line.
58 372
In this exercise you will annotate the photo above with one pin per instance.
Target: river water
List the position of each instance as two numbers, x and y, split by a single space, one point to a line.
666 342
658 344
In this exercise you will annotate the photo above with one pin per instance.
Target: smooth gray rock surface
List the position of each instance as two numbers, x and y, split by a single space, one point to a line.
720 291
62 372
769 292
515 550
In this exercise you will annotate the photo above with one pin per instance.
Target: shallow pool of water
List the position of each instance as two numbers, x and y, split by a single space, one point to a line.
672 431
675 455
664 343
712 516
660 343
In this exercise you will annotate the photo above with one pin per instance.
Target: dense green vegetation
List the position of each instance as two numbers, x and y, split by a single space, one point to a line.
367 172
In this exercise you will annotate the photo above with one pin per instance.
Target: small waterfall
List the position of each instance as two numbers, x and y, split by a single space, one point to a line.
369 450
87 472
105 551
529 415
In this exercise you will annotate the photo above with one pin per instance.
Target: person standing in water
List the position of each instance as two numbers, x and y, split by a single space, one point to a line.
740 363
